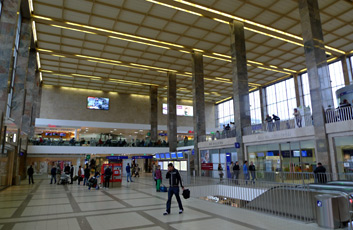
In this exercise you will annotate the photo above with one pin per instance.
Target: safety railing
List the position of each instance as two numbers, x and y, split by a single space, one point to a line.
298 178
273 126
280 199
339 114
47 142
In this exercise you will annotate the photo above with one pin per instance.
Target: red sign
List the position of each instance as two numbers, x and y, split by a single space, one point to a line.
117 172
207 166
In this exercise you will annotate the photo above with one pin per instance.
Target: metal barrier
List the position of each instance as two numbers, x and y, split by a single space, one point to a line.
278 125
339 114
279 199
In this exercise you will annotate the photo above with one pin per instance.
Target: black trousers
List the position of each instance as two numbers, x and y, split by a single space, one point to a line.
29 179
106 181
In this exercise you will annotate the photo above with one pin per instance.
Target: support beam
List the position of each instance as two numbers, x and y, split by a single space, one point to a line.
199 106
263 104
319 77
347 71
172 115
154 113
298 91
240 84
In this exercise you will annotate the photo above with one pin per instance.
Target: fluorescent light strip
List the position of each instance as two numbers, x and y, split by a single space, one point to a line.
174 7
109 63
95 58
38 61
144 43
225 99
152 67
34 31
30 4
68 28
55 55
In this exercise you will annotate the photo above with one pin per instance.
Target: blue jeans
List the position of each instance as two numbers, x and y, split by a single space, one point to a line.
85 180
175 191
51 180
246 177
128 175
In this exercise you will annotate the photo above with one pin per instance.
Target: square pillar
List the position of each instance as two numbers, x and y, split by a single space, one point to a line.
198 106
154 113
319 77
18 99
172 113
240 84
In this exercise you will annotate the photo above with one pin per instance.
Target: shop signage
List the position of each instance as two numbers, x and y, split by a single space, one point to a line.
237 145
207 166
111 158
142 157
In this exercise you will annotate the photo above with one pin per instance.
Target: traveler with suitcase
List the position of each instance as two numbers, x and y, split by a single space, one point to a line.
174 180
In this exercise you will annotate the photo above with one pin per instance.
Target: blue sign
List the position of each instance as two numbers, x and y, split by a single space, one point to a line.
319 203
142 157
193 152
112 158
157 156
228 159
237 145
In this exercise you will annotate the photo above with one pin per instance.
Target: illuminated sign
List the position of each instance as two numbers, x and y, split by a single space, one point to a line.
182 110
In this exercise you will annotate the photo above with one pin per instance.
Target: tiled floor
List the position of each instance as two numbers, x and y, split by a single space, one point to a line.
132 206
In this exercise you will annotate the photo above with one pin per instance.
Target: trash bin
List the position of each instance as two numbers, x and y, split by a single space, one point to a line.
327 211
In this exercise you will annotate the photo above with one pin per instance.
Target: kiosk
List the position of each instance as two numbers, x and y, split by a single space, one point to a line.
117 173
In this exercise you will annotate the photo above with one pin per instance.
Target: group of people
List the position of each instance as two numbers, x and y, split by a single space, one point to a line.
248 170
272 122
133 170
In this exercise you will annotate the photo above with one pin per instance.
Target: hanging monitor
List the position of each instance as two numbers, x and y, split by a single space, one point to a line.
174 155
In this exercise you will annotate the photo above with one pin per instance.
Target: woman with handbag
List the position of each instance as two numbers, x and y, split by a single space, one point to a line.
158 175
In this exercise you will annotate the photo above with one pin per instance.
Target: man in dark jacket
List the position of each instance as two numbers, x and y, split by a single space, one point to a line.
107 175
67 169
236 170
30 173
174 180
320 174
252 171
53 174
87 173
72 169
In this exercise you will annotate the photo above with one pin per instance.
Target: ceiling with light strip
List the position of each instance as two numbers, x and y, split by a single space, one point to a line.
126 46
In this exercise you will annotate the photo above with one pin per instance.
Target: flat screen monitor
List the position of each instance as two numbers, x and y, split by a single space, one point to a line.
296 153
270 154
167 156
97 103
162 156
304 153
174 155
180 154
157 156
260 154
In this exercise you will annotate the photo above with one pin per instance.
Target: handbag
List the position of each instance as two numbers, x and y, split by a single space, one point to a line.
163 188
186 193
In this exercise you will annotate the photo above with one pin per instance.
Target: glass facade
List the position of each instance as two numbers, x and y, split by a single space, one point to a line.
214 157
337 79
255 107
280 99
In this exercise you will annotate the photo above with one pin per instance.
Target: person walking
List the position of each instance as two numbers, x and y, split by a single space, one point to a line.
298 118
58 173
53 174
158 175
269 123
128 172
246 172
220 173
174 181
79 175
320 174
72 170
252 170
107 175
236 170
87 173
137 172
30 173
231 170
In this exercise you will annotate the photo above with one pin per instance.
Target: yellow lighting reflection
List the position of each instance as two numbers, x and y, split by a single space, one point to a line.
68 28
144 43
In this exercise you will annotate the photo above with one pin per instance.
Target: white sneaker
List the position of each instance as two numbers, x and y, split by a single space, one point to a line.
181 211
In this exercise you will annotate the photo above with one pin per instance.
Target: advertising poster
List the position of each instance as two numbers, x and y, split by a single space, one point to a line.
182 110
97 103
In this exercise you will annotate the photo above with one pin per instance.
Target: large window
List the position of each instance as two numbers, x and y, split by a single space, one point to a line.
255 107
225 113
337 79
281 99
306 89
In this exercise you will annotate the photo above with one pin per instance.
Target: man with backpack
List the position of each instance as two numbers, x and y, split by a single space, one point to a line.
174 181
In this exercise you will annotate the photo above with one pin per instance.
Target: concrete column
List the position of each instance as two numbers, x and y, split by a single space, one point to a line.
30 90
8 25
298 91
18 99
154 113
240 84
172 115
347 71
198 106
37 99
319 77
263 104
